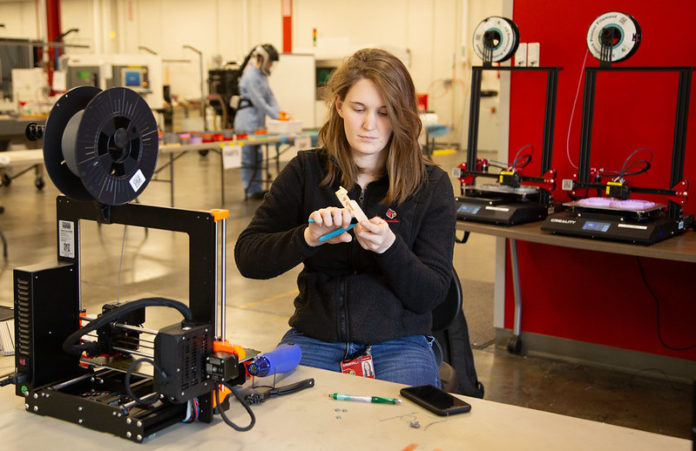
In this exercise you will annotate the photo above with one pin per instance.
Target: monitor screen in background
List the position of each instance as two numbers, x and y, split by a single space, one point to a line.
132 78
323 75
84 76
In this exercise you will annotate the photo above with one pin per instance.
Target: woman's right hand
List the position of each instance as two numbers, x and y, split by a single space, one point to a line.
326 220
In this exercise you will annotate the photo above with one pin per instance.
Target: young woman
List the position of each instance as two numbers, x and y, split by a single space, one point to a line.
365 295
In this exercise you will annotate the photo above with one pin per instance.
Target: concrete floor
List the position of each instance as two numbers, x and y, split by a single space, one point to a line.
155 263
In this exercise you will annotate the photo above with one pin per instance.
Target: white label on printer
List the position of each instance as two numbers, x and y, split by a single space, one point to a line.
137 180
488 207
66 239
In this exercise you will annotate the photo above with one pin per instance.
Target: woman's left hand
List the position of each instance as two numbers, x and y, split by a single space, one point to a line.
374 235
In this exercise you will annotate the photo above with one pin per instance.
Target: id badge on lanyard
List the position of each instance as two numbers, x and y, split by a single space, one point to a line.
360 366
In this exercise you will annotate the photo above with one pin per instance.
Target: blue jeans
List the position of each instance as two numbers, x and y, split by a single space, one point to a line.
252 169
407 360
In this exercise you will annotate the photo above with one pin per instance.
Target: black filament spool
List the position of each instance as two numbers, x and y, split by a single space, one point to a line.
108 152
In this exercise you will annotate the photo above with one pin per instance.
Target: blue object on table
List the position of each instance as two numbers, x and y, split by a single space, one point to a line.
282 359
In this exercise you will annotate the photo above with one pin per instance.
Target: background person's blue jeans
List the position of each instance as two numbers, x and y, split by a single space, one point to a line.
252 169
407 360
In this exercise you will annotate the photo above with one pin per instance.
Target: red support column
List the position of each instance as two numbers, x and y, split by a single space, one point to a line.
52 32
286 10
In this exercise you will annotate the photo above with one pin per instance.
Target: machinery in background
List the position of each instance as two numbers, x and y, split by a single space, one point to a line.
14 54
614 215
30 92
223 85
141 73
292 84
515 197
100 149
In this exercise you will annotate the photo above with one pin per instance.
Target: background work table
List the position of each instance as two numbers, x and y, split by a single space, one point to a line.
679 248
261 140
309 420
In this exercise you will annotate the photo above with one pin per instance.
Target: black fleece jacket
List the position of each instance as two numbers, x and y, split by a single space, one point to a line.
348 294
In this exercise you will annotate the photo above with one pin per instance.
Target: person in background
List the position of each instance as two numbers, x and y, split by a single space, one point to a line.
366 295
255 103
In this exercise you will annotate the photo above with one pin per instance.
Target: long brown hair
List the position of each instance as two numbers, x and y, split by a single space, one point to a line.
405 163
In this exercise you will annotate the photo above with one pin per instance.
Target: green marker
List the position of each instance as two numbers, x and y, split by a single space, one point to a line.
372 399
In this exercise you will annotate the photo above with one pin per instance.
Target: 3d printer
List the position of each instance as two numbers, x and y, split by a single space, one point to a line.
100 149
514 198
613 215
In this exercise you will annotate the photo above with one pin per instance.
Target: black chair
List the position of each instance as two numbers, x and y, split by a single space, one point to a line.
443 315
452 345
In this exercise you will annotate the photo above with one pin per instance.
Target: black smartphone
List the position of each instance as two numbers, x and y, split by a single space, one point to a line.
435 400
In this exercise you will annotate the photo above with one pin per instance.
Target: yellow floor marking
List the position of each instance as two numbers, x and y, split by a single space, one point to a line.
269 299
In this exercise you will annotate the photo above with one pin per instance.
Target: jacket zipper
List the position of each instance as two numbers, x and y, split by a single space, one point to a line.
343 308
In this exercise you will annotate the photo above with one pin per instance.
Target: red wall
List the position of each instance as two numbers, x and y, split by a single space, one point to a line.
593 296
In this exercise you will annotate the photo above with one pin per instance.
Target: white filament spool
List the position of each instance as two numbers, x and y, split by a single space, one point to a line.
614 30
496 39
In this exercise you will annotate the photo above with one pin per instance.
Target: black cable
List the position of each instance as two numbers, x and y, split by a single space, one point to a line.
222 412
647 163
528 156
129 373
620 174
7 379
522 161
657 307
12 378
70 344
625 167
645 168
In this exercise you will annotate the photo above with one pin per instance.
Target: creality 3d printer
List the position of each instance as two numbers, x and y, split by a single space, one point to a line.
100 149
